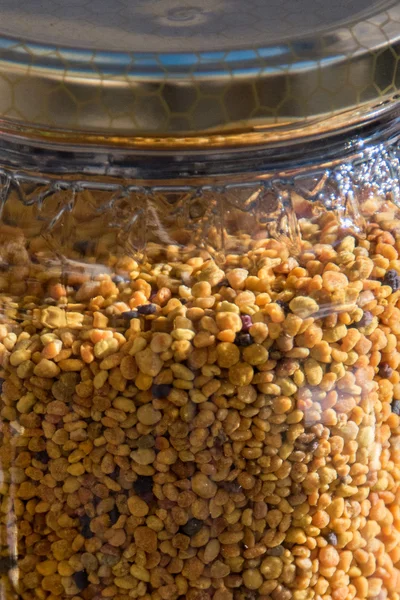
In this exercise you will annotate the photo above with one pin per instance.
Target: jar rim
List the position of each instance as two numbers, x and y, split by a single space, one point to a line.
70 160
345 122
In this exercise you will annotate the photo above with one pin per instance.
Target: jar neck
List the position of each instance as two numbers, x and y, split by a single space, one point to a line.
208 166
142 194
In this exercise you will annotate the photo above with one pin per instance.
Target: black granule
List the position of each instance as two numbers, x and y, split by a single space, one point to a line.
243 339
276 551
118 279
130 314
366 319
396 407
147 309
85 527
392 279
161 390
42 457
192 527
143 485
7 563
283 305
331 538
1 384
222 283
115 474
114 515
81 579
385 371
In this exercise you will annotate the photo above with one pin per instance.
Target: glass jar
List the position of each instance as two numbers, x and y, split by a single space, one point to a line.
199 300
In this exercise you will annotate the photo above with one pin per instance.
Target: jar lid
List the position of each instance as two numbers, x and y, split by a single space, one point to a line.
169 69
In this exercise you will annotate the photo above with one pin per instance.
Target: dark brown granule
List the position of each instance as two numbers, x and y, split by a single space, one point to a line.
143 486
85 521
161 390
243 339
331 538
130 314
396 407
147 309
385 371
276 551
392 279
192 527
366 319
81 579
